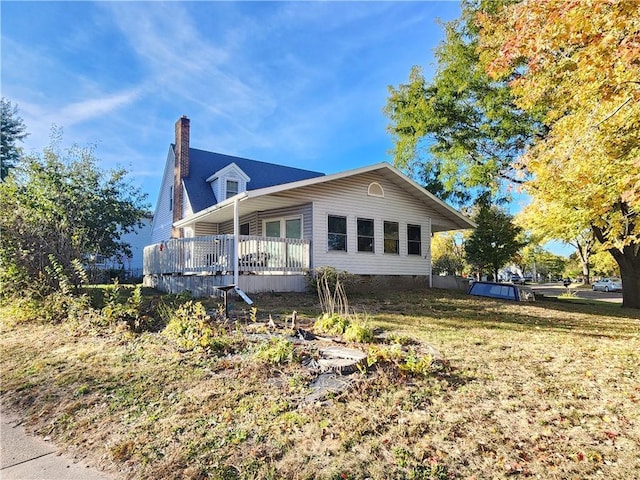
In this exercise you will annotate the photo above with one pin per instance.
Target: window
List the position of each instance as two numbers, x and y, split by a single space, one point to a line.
232 188
414 240
391 238
170 198
283 227
293 228
272 228
244 229
365 235
337 233
228 182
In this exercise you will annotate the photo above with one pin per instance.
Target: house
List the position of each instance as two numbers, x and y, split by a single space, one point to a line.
223 220
126 267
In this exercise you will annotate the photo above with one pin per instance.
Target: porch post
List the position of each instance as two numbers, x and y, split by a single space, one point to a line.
236 229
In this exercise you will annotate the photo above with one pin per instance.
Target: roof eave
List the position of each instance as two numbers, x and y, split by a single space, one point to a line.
203 213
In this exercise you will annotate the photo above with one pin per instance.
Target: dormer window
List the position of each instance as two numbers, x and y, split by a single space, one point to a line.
228 182
232 188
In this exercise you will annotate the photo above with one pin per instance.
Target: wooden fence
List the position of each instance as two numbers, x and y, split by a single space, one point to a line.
214 254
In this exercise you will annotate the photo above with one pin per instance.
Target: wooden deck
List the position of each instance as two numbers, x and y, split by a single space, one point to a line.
213 255
200 264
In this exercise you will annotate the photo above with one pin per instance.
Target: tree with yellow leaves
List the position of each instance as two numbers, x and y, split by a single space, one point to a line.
581 60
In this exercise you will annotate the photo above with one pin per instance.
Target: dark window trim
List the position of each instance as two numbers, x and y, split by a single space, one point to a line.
414 242
362 239
336 238
391 244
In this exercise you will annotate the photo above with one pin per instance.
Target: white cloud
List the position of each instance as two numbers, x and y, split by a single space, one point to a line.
97 107
288 82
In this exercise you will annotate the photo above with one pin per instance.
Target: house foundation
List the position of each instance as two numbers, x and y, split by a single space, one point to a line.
206 285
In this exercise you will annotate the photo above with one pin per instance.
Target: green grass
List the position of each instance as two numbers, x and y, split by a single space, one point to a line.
547 390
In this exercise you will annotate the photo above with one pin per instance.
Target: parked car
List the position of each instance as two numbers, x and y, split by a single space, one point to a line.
505 291
607 285
517 279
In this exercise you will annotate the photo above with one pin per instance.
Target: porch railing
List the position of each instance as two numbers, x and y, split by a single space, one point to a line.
213 254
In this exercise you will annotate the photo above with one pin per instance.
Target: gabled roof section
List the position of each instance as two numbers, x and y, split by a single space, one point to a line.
445 217
232 167
203 164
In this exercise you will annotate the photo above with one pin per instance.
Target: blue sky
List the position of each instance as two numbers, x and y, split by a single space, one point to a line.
301 83
295 83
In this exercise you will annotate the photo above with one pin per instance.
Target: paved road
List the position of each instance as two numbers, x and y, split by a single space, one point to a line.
26 457
555 289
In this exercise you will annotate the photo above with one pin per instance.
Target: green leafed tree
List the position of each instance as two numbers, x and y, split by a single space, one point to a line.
549 221
540 263
494 242
59 207
12 130
447 253
582 60
460 133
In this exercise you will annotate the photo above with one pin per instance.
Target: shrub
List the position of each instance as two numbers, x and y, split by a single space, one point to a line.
328 274
384 354
329 284
191 328
409 361
130 310
20 309
353 328
276 351
59 306
358 331
415 364
332 324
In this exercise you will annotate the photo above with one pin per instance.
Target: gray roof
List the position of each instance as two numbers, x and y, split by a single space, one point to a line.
203 164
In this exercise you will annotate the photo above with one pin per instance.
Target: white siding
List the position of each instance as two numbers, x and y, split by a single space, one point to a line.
138 239
348 197
202 229
186 204
163 217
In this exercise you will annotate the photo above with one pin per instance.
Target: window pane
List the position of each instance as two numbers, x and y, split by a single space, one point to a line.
365 244
337 224
293 228
337 241
391 237
413 233
337 233
272 229
414 240
365 235
232 188
244 229
391 230
365 227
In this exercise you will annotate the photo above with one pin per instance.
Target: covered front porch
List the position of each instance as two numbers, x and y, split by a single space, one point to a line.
252 263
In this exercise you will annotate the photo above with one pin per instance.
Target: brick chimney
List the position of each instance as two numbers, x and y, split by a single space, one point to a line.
180 170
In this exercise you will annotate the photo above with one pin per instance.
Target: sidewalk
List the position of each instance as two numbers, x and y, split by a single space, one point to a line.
26 457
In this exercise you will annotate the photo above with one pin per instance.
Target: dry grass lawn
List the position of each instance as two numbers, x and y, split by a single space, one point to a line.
548 390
